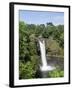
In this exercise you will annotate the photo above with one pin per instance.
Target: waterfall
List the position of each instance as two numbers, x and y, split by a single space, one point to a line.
43 53
45 66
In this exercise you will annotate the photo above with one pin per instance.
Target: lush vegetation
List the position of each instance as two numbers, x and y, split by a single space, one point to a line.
29 53
56 73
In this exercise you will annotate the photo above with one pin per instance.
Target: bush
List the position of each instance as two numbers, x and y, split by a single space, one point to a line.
26 70
56 73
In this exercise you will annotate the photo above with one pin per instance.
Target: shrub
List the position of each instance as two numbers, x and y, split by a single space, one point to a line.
56 73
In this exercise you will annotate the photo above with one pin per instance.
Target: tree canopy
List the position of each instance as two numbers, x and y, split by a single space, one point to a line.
29 56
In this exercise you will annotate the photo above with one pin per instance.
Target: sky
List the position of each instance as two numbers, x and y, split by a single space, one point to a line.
41 17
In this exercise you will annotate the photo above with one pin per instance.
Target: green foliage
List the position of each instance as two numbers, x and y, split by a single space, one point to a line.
53 48
49 24
29 59
59 35
56 73
26 70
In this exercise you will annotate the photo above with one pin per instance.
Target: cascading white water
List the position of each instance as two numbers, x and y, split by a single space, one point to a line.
45 66
43 53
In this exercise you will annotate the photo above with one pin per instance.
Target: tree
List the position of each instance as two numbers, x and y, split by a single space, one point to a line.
29 52
49 24
59 35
